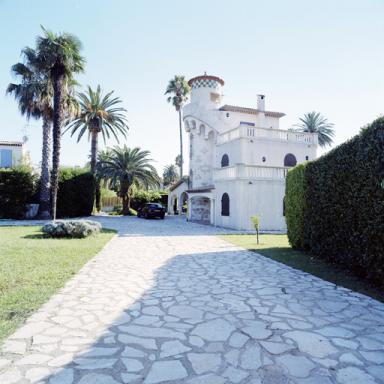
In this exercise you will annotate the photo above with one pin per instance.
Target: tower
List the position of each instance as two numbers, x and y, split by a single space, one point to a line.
206 91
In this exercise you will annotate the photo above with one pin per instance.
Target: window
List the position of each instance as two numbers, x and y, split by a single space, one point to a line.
290 160
247 123
263 159
5 158
215 97
284 206
225 205
306 157
225 161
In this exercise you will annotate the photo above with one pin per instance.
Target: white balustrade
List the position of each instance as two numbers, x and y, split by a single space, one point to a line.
267 133
241 171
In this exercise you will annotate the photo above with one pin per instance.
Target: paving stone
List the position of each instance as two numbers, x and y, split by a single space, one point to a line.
145 343
196 341
36 374
208 379
4 363
204 362
237 340
132 365
276 348
351 359
65 376
312 343
165 371
132 352
99 351
152 332
375 357
251 357
352 375
61 360
336 332
11 346
34 359
235 375
130 378
172 348
185 312
11 376
214 330
97 378
83 363
298 366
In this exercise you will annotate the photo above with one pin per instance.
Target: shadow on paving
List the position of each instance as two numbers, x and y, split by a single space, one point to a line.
224 317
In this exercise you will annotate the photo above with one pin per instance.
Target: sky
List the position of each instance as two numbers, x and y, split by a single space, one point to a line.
322 55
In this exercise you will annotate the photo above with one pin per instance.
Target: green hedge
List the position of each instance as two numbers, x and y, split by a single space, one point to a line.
141 197
16 190
76 193
295 206
344 204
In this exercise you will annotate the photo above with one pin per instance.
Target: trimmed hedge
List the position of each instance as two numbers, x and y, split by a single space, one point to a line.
76 194
295 205
343 204
17 186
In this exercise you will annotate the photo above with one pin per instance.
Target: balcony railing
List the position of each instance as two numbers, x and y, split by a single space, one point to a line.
267 134
241 171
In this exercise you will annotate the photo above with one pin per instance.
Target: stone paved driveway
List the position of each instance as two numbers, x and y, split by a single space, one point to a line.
167 302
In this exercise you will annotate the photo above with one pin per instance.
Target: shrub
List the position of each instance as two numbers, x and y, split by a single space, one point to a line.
17 187
141 197
72 229
343 204
76 193
294 203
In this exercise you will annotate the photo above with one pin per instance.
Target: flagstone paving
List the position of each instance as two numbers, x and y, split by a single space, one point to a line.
168 302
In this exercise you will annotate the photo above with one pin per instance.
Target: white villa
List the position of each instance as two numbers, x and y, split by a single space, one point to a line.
11 153
238 159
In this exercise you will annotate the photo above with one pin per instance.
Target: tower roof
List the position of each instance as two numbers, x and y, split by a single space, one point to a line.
205 77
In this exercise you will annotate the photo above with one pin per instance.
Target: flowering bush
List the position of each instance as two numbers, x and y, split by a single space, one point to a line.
72 228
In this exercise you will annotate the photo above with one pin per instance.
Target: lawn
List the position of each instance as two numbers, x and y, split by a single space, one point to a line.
276 247
33 268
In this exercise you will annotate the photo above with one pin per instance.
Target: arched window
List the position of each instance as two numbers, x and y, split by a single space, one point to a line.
290 160
225 205
225 161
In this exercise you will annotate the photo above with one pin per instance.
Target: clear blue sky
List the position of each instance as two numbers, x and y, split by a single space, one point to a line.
323 55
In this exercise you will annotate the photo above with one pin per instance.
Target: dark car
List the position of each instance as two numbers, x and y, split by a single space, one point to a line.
151 210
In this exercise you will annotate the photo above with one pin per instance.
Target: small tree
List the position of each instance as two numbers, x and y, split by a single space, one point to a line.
256 223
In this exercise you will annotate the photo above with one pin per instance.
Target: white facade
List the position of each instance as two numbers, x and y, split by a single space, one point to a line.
11 153
238 158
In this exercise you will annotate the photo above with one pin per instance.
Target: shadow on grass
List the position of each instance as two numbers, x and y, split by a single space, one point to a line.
40 235
334 273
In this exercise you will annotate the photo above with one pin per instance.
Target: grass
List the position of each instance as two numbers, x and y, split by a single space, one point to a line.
34 267
276 247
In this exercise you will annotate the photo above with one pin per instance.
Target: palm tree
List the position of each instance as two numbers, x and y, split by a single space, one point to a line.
170 174
98 114
179 90
126 167
34 96
314 122
59 54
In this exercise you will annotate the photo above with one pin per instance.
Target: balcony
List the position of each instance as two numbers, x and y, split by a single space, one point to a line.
241 171
255 133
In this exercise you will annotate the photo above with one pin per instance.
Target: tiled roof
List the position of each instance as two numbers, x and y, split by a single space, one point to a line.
206 77
249 111
12 143
184 179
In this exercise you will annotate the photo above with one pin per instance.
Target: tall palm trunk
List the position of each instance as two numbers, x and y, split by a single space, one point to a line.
94 145
58 85
45 198
181 145
94 148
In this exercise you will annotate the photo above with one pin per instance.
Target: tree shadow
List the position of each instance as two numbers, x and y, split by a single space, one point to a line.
155 322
